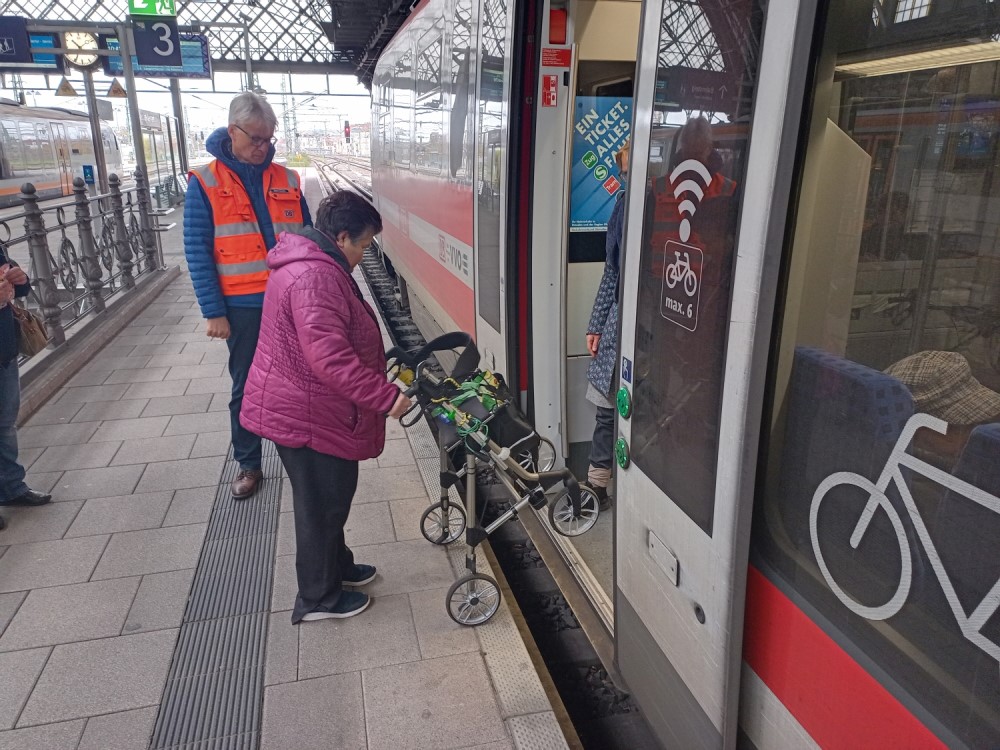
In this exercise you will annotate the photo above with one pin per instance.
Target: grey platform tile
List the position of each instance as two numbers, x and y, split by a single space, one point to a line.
212 421
158 349
221 384
406 517
397 453
109 364
220 402
40 524
9 604
86 377
109 410
145 375
406 566
175 360
27 456
110 481
383 634
285 587
130 429
18 672
56 563
43 436
170 405
493 746
369 523
315 715
287 503
151 551
44 481
204 344
160 602
154 390
116 349
193 372
103 676
65 614
128 730
90 455
394 430
185 338
181 475
90 393
62 736
110 515
190 506
215 355
141 340
282 661
155 316
437 634
153 449
53 414
391 483
286 535
431 704
211 443
532 731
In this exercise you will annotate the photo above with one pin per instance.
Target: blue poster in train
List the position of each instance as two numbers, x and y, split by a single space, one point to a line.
601 125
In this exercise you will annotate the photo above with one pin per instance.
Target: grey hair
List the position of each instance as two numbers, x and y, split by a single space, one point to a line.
250 107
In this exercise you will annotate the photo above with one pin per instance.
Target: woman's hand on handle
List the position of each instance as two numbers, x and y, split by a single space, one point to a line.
593 341
402 405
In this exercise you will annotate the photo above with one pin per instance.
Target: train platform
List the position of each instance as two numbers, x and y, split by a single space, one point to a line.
144 608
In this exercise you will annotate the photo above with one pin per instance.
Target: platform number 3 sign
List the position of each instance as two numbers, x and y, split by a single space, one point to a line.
156 42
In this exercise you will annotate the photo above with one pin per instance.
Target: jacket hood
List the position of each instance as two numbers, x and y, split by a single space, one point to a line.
220 145
306 244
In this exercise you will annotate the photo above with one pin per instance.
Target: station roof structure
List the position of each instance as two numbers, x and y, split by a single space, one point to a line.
285 36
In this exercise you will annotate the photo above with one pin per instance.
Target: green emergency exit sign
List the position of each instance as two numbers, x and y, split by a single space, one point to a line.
152 7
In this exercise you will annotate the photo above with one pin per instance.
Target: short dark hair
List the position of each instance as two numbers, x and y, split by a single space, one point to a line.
346 211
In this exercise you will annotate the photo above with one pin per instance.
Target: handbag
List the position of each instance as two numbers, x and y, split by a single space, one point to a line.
33 335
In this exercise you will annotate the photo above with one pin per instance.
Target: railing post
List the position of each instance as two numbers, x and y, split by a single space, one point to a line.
38 247
146 220
123 248
88 248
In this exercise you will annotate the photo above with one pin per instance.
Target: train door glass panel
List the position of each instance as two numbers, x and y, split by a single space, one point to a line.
881 508
463 88
428 111
14 162
47 159
63 157
402 102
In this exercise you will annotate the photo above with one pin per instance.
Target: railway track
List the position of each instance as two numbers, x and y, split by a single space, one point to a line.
603 716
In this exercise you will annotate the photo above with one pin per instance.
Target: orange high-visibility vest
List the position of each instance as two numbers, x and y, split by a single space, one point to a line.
240 252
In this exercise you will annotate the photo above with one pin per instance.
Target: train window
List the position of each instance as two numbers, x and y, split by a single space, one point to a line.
44 144
382 144
463 88
12 158
881 504
29 143
699 127
402 103
428 148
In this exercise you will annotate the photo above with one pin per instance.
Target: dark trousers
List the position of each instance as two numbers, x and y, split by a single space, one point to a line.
244 328
11 472
601 448
322 490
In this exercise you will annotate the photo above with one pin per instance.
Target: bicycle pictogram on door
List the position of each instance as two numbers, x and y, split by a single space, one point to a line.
680 294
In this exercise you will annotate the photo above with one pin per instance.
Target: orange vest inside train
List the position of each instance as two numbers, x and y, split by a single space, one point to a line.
240 252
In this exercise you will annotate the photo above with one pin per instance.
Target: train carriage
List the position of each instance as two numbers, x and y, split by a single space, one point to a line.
806 494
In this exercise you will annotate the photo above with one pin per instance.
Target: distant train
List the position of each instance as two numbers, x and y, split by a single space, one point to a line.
48 148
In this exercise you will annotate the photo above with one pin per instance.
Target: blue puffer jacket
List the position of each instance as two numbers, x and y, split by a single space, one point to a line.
199 227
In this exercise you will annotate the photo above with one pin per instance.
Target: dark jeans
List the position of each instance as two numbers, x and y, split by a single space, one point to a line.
601 445
11 472
322 490
244 328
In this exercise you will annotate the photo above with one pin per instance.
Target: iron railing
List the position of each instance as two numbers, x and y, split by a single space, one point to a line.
83 251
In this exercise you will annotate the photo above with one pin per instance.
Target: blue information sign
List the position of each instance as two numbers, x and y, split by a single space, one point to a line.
16 44
601 125
88 174
196 61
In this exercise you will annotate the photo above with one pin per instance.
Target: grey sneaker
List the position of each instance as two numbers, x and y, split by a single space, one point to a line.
349 604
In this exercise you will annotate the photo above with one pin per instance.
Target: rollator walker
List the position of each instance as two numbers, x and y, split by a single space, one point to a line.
479 425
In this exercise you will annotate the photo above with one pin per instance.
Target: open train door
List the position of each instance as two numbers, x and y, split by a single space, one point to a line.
701 218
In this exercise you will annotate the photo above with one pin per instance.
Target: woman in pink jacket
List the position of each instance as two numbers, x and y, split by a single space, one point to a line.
318 390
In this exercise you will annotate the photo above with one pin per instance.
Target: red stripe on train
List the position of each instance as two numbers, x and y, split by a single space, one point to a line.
446 205
835 700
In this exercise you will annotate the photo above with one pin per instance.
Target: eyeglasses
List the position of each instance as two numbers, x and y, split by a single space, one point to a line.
257 141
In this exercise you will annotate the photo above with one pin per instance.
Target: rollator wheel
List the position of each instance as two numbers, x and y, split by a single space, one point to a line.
473 600
561 513
441 527
543 458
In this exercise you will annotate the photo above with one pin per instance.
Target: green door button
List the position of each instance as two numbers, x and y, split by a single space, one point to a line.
624 400
621 453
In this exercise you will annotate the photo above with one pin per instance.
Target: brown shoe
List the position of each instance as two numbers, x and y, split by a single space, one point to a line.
245 484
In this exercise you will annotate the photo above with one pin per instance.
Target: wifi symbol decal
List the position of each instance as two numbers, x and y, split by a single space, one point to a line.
687 207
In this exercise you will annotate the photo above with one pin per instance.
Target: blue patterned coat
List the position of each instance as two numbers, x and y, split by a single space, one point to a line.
604 317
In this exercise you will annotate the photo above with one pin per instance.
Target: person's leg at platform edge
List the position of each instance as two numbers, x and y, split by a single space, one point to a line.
602 455
244 327
13 490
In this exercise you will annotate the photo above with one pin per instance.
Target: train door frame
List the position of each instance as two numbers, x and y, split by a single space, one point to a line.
702 710
60 140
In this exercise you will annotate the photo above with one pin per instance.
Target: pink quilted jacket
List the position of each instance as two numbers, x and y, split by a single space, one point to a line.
318 377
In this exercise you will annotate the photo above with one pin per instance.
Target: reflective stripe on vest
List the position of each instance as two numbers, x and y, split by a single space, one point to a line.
239 248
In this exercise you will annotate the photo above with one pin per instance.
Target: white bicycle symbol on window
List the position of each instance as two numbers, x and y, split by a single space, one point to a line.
680 270
970 624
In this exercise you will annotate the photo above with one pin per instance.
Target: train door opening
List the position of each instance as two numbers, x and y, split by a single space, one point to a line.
63 158
583 119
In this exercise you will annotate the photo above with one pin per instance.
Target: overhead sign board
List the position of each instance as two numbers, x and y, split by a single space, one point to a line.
152 8
680 88
196 60
16 45
156 42
150 120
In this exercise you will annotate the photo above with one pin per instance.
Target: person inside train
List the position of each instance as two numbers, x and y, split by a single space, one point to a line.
602 344
317 388
13 491
236 207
